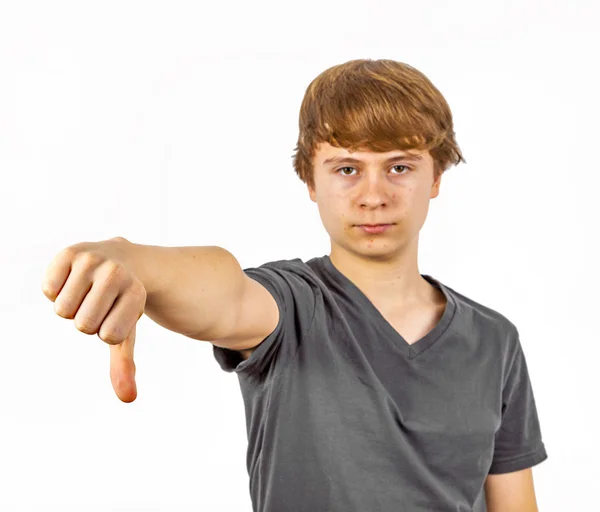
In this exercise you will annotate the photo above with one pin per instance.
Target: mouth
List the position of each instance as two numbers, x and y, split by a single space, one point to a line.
374 228
376 224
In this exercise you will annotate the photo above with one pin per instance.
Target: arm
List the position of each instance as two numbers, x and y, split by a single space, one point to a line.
202 293
511 492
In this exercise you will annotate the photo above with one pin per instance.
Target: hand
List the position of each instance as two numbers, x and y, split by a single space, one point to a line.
89 284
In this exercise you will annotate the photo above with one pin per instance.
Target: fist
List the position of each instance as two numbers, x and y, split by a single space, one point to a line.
90 284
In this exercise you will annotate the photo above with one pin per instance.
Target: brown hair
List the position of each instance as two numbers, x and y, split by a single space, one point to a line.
381 105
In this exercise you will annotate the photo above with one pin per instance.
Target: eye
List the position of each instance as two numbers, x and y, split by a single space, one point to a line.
342 170
405 166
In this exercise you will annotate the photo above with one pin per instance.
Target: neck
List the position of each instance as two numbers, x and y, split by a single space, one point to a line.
392 283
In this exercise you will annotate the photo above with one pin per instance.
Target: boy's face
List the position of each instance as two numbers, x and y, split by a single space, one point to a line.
373 190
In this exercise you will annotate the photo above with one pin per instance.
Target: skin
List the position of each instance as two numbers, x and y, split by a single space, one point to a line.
384 266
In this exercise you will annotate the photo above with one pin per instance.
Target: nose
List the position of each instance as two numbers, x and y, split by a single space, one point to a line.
374 191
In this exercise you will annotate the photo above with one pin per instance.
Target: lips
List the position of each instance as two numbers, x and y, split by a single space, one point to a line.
374 229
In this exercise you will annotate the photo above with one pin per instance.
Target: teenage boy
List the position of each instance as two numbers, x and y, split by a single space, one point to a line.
367 385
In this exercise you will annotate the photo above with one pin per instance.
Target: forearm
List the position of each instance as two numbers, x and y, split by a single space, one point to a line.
190 290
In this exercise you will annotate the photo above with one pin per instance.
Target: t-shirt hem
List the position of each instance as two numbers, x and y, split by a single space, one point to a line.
522 462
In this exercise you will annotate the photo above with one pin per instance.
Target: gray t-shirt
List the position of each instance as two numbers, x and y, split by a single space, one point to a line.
343 415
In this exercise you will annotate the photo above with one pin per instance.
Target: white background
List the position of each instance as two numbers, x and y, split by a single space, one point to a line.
174 123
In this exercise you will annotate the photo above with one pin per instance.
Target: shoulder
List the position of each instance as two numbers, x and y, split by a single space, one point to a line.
292 272
482 318
295 265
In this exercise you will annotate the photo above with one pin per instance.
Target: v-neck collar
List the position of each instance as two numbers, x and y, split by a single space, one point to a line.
410 350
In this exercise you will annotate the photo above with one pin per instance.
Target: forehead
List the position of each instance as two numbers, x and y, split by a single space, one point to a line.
325 151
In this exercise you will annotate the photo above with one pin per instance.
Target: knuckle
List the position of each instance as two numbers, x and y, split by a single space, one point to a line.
48 289
87 259
63 309
111 335
115 268
86 325
69 252
115 273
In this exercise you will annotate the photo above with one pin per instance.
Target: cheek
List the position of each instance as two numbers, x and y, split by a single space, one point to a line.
409 205
419 205
334 210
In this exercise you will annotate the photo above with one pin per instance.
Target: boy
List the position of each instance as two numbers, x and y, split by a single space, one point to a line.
367 386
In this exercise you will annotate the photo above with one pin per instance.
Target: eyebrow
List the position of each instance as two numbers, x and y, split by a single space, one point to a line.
350 160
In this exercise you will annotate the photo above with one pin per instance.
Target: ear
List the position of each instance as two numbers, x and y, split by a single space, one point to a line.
435 188
312 194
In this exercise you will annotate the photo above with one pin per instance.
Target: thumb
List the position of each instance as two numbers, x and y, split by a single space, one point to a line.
122 368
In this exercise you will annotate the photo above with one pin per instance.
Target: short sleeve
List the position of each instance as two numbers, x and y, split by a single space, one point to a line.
291 284
518 442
